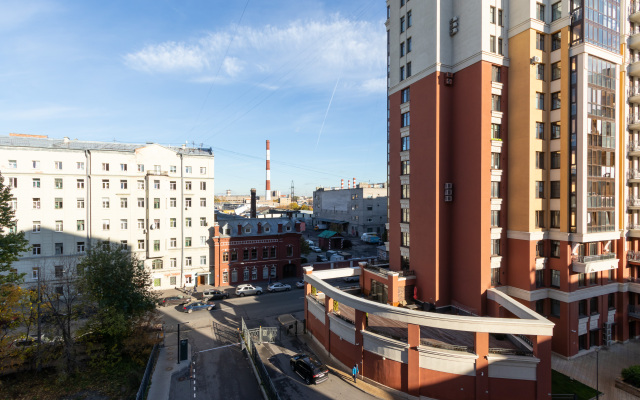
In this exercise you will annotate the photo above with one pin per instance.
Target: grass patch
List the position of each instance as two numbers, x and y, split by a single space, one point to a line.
562 384
122 382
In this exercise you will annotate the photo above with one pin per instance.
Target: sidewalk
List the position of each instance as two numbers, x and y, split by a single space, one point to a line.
165 368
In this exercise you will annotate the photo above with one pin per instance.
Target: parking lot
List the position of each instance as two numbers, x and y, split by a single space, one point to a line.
359 248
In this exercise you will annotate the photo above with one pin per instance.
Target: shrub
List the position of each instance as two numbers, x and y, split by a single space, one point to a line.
631 375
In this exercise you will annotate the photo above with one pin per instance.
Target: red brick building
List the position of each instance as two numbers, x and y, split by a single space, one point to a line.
252 250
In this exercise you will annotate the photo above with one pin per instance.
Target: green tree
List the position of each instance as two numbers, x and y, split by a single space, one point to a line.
12 243
304 246
294 206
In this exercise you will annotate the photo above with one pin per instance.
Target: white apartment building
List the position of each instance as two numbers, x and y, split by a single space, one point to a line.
155 200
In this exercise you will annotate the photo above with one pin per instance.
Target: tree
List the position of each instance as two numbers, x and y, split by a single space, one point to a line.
304 245
294 206
304 207
12 243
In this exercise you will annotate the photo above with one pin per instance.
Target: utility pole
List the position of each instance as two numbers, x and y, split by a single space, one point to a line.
293 192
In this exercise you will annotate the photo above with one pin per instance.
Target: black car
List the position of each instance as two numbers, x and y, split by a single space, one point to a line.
174 301
309 369
216 295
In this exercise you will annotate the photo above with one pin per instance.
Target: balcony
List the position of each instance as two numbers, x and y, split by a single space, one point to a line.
634 41
596 263
634 231
633 203
633 256
634 311
634 123
634 12
633 175
634 95
633 148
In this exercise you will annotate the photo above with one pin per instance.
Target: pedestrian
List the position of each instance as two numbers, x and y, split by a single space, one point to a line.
355 371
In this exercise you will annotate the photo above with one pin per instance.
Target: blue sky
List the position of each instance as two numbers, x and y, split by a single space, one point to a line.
309 75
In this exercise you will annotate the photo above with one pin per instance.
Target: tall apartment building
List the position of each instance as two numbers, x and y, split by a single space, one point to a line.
154 200
512 114
359 210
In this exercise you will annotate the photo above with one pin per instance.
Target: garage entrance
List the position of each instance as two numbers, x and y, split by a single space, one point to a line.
289 271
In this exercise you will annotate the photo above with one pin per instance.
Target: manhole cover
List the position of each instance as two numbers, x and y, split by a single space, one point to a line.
182 378
170 358
170 353
168 368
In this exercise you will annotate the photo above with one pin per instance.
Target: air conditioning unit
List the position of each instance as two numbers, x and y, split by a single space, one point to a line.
448 199
535 60
453 26
448 78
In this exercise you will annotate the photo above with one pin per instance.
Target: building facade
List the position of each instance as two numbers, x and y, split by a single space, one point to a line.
156 201
253 250
358 210
513 115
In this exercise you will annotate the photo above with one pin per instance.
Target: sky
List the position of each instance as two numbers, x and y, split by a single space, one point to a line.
308 75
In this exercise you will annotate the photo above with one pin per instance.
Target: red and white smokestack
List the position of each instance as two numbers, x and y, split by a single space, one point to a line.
341 183
354 183
268 183
348 184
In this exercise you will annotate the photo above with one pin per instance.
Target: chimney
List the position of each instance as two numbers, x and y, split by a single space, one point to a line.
297 226
279 228
268 183
253 203
259 227
341 183
348 184
239 229
216 230
354 183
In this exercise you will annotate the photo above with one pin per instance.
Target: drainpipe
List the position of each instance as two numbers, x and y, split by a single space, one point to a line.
87 205
181 222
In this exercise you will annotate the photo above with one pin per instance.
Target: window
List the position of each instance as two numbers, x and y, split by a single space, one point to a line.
141 224
500 46
402 27
59 248
540 101
405 216
555 189
79 247
123 167
141 185
556 11
124 224
492 44
593 305
203 185
556 41
187 185
173 263
289 251
58 183
105 166
156 203
495 189
203 202
35 249
80 225
408 69
555 100
187 169
540 72
593 278
492 14
555 160
408 45
80 165
539 160
187 261
540 248
36 182
495 276
540 11
406 119
500 21
405 95
58 203
203 260
36 227
582 282
496 101
187 222
157 169
555 308
36 202
124 203
59 226
172 202
106 224
156 264
539 219
555 219
539 41
203 221
405 143
495 160
555 278
173 243
13 182
80 203
140 244
495 218
404 239
555 249
105 184
555 131
409 19
156 184
556 71
495 247
80 183
156 245
234 255
13 204
172 223
172 185
405 192
402 49
582 307
611 301
540 306
141 202
496 73
404 167
254 254
35 164
402 76
58 164
187 242
539 130
105 202
140 167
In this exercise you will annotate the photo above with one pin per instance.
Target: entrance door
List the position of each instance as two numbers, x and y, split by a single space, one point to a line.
289 271
202 279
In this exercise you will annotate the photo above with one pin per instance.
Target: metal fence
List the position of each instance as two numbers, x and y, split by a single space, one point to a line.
144 385
261 335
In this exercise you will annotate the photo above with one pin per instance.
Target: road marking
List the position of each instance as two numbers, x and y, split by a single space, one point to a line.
221 347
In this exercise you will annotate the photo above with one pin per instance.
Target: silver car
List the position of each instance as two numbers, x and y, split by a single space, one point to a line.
243 290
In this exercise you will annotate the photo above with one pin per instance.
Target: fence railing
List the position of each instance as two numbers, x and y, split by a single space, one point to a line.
510 352
251 336
142 391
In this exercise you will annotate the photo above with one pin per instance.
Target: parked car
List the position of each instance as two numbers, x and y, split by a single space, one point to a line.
316 249
174 300
310 242
309 369
321 258
278 287
214 294
243 290
300 284
197 306
355 278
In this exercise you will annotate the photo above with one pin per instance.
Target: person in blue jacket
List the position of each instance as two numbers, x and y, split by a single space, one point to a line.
355 371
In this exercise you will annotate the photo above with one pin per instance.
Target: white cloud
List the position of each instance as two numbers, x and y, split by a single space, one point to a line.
304 52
